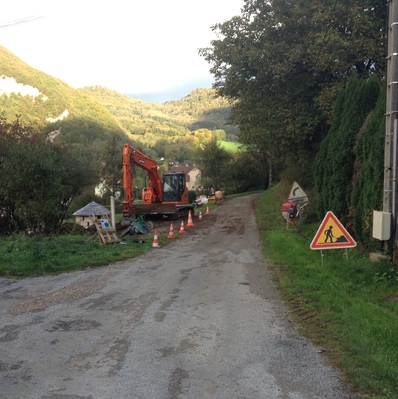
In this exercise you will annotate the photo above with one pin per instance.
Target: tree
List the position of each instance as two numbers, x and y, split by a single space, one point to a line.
334 163
261 135
367 193
38 181
245 171
213 163
219 134
111 167
281 64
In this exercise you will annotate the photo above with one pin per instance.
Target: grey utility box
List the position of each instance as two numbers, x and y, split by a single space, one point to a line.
381 225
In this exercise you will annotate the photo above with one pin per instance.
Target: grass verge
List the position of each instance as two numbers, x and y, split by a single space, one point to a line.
349 307
22 256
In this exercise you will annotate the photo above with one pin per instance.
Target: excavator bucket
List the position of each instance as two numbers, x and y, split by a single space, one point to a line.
136 226
139 225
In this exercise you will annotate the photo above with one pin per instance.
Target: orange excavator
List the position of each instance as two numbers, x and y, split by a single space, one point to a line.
166 197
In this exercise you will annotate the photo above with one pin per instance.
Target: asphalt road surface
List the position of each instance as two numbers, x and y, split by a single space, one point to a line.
196 319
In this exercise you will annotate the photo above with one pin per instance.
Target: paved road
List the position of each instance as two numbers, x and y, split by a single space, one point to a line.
196 319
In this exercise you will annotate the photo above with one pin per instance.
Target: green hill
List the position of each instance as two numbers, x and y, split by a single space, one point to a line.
42 99
201 109
90 116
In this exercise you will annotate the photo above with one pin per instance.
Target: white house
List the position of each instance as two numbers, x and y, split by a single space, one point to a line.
192 176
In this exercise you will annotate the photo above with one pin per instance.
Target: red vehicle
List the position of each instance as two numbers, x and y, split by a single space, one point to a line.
165 197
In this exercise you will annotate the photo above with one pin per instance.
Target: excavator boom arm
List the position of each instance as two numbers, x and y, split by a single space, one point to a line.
131 158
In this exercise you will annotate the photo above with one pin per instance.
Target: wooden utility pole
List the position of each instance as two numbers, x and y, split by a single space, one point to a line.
391 141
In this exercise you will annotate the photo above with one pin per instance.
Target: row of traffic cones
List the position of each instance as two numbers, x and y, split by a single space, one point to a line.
182 228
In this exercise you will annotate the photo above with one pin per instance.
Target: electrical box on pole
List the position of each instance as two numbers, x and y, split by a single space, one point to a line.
382 225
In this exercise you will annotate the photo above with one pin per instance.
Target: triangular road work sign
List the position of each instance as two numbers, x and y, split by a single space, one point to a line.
332 235
297 194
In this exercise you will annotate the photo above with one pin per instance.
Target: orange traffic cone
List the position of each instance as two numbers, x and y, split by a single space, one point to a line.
200 216
190 221
207 210
171 231
155 241
182 230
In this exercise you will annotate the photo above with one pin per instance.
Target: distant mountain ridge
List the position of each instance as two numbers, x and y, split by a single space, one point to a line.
200 109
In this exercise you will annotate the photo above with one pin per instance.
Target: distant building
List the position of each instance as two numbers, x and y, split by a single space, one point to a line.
87 215
192 176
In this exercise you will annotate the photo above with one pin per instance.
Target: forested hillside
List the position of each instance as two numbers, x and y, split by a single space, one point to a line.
201 109
175 129
43 100
94 116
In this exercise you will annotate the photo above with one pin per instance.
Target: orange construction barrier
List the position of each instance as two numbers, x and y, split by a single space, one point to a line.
155 240
190 221
207 210
182 230
200 216
171 231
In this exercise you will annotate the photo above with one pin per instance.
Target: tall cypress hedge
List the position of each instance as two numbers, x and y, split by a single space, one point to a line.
367 193
334 163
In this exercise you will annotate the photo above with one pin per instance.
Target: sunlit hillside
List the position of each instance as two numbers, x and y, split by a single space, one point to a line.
91 116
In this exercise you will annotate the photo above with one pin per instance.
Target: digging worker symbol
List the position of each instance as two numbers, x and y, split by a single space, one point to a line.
329 234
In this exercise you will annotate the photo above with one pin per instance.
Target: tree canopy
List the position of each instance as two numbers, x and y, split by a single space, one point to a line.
281 64
38 180
213 160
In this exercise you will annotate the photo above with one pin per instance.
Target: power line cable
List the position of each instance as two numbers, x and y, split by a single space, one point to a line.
21 21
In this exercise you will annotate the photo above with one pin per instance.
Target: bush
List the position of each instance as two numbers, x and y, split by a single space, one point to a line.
191 196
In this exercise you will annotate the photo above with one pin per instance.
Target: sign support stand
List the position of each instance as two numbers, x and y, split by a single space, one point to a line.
288 221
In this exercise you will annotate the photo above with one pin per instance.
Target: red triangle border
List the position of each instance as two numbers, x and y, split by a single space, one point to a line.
335 245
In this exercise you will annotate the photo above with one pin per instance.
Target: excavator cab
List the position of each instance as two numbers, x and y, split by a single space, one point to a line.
174 187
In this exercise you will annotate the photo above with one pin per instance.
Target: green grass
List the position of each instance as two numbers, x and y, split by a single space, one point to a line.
230 146
349 307
22 256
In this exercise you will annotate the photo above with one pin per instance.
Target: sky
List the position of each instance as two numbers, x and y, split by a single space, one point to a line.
147 49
